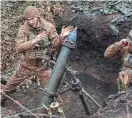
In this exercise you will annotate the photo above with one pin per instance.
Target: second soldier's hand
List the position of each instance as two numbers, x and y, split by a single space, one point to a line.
123 42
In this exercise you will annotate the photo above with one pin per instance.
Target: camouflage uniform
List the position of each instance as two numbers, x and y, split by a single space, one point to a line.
115 51
34 60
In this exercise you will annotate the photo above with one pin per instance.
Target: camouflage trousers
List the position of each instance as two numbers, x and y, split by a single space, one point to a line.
124 79
24 71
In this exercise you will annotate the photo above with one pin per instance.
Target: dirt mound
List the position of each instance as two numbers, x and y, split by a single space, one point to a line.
94 31
119 107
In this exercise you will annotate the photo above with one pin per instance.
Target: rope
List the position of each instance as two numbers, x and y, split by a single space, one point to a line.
21 113
19 104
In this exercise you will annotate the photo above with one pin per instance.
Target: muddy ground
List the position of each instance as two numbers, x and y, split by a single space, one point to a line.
97 74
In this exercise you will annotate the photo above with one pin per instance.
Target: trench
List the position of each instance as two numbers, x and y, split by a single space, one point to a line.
97 74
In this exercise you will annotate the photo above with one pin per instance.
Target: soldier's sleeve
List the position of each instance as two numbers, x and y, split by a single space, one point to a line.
114 51
54 37
21 41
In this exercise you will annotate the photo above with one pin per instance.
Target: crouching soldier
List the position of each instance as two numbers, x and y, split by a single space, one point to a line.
35 40
122 50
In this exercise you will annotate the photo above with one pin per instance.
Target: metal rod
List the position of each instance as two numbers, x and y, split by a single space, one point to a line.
64 91
84 102
91 98
26 115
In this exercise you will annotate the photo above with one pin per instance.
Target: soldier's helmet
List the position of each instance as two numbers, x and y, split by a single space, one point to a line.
31 12
129 37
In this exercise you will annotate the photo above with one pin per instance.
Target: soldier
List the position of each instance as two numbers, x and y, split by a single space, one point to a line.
123 50
35 40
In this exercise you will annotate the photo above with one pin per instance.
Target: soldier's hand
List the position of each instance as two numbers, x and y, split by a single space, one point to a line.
39 37
65 31
123 42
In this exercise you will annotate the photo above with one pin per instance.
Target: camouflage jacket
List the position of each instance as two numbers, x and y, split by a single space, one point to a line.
26 34
115 51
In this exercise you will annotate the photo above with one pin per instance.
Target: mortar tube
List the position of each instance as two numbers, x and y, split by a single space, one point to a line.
59 69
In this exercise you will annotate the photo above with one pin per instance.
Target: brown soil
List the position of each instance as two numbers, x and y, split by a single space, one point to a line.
97 74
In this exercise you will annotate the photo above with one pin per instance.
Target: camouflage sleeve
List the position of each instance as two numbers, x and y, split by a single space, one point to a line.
21 41
54 37
114 51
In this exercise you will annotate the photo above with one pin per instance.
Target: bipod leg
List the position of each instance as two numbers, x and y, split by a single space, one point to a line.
77 87
84 102
64 91
89 96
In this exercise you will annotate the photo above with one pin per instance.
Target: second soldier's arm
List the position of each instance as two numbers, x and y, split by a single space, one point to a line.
114 51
